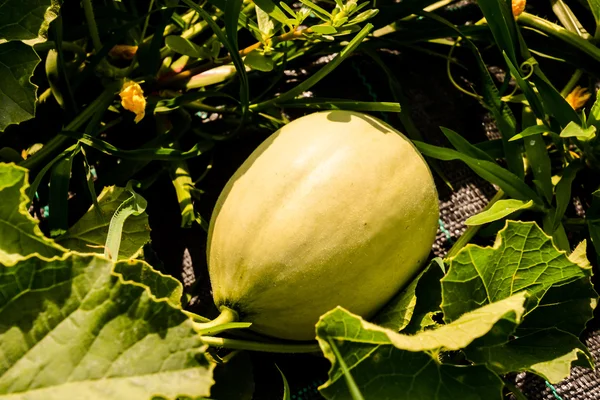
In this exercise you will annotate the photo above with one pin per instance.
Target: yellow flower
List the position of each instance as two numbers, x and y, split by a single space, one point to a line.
518 6
132 99
578 97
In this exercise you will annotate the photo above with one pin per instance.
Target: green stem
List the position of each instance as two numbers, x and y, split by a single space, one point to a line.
88 11
472 230
560 33
66 46
227 316
101 102
350 382
322 73
572 82
236 344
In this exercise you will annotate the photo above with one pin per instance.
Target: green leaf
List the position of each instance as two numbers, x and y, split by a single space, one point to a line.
595 8
405 366
186 47
258 61
286 385
530 131
575 130
554 104
88 235
594 117
323 29
26 20
72 328
498 210
490 171
411 310
538 157
17 93
340 104
523 258
362 17
266 25
272 10
20 235
501 21
462 145
548 353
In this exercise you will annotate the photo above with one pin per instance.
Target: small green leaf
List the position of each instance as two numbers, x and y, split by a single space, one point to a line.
272 10
186 47
499 210
530 131
362 17
17 93
319 12
20 235
462 145
88 235
575 130
265 23
323 29
258 61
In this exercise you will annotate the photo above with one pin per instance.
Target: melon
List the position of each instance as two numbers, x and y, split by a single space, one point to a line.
336 208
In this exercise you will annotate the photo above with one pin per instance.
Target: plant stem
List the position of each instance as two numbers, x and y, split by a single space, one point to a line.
88 10
236 344
66 46
322 73
471 231
572 82
227 316
560 33
101 102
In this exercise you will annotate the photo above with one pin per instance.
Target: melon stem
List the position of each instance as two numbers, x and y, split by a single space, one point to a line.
227 316
236 344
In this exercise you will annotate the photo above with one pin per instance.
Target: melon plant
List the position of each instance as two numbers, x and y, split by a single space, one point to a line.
335 208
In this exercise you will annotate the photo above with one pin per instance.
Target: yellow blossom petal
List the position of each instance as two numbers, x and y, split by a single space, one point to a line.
132 99
518 6
578 97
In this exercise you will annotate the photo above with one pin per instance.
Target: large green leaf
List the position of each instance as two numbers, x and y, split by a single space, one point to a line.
71 327
20 235
523 258
17 93
88 235
26 19
389 365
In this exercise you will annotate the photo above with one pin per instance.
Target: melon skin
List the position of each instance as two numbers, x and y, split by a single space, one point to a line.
335 208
